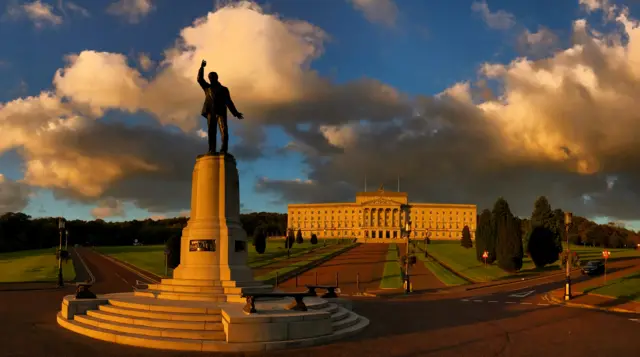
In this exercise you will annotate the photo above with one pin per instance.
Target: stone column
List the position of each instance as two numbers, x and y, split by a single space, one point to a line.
214 244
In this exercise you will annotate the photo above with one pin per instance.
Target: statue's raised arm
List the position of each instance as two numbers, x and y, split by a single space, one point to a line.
201 81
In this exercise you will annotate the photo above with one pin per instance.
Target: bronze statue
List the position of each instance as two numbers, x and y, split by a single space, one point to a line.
217 99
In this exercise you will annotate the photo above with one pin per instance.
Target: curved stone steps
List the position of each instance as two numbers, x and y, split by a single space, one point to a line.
340 314
346 322
203 345
119 327
160 315
157 322
181 296
185 288
173 306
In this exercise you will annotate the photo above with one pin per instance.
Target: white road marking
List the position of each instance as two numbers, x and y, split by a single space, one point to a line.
511 302
525 303
492 301
464 300
635 320
543 304
477 300
522 294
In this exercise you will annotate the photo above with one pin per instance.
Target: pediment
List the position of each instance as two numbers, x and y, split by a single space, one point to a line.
381 202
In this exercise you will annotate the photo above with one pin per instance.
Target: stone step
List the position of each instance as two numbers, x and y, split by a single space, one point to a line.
349 321
180 296
151 331
328 307
186 288
180 344
342 313
152 304
155 322
197 282
160 315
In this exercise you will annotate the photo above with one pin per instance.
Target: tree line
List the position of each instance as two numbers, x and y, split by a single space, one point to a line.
19 231
507 238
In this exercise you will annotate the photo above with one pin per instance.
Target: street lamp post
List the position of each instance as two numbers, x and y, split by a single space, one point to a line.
324 238
66 240
60 229
605 254
407 228
567 291
426 241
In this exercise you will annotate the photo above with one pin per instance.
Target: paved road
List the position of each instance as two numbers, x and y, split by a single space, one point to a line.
420 325
364 263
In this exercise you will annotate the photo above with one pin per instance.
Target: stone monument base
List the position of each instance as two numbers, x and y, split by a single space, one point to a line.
199 325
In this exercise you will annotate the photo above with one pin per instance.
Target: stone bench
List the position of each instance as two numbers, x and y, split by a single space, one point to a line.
83 292
297 304
331 290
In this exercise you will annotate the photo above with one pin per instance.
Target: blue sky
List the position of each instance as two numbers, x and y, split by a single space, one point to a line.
430 46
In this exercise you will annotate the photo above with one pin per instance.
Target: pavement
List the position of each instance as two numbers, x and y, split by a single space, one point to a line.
507 320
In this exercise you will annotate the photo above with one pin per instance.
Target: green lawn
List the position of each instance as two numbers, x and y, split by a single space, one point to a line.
627 287
443 274
464 261
33 265
151 257
392 274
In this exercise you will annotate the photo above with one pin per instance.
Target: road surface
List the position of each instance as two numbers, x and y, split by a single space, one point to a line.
457 323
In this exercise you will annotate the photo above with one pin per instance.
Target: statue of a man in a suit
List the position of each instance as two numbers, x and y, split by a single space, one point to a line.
217 99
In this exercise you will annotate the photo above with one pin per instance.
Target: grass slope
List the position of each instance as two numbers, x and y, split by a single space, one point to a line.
33 265
627 288
464 261
392 274
151 257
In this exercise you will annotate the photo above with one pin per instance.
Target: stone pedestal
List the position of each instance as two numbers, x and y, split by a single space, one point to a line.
214 244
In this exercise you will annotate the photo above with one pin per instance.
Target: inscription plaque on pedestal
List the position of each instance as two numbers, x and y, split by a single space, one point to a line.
202 245
241 246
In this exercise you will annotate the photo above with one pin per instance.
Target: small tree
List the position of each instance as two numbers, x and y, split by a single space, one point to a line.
288 242
542 246
299 239
466 238
260 240
173 247
314 239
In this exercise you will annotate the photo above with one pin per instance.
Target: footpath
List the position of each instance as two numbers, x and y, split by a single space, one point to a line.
596 301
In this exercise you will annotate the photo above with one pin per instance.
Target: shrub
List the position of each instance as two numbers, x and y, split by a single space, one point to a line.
466 238
299 239
314 239
260 240
173 246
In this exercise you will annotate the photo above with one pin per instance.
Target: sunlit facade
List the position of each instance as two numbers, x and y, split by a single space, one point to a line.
380 216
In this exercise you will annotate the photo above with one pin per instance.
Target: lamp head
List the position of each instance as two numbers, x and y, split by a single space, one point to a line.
568 216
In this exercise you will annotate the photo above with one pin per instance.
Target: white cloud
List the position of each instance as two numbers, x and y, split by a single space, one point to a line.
41 14
14 196
538 44
145 62
76 8
559 126
131 10
383 12
108 208
500 20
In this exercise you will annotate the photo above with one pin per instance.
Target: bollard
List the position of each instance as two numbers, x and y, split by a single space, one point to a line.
296 280
277 282
316 277
358 282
